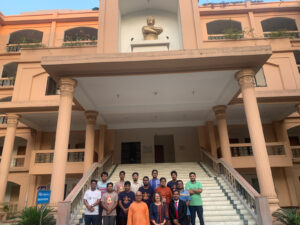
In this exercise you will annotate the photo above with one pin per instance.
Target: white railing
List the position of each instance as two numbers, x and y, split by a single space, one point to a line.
69 208
256 204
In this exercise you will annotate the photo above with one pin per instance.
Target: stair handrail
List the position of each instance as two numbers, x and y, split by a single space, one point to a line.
68 208
256 203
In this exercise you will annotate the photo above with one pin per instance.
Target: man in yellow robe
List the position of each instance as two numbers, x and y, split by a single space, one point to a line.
138 213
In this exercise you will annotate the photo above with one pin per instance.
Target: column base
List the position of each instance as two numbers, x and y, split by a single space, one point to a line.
273 203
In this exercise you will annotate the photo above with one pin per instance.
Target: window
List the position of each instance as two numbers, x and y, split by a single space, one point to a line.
280 27
260 80
224 29
297 57
52 87
81 36
24 39
9 73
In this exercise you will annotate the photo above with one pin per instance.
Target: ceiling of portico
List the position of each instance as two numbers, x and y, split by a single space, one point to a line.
161 100
131 6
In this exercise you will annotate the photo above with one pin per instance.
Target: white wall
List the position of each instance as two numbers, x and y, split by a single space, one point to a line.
131 27
186 142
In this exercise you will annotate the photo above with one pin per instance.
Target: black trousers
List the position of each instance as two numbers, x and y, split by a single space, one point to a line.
100 214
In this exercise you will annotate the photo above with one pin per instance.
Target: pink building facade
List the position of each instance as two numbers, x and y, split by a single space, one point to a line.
79 86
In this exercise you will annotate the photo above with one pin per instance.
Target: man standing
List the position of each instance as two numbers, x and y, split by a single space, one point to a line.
109 203
154 183
146 191
165 192
126 197
135 184
173 183
177 210
195 189
138 213
119 187
102 188
92 198
184 196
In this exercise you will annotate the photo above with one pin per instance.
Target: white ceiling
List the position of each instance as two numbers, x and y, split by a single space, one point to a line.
131 6
156 100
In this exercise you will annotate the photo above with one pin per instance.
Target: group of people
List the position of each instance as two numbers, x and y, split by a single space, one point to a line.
154 202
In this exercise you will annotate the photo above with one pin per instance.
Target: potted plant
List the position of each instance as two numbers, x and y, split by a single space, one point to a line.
36 215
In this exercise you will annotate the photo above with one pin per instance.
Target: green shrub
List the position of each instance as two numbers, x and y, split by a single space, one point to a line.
289 216
32 216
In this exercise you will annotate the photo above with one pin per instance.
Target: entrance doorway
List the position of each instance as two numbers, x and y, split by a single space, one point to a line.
131 153
164 148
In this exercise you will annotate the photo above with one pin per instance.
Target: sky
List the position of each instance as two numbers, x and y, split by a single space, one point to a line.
14 7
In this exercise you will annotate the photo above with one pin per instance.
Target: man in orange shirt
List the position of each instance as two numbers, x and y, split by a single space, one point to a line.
165 191
138 213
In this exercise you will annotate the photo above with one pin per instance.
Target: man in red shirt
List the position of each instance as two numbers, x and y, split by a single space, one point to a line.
165 192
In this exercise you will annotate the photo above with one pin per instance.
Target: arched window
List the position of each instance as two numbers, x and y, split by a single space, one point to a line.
26 36
81 36
279 23
8 76
224 29
24 39
280 27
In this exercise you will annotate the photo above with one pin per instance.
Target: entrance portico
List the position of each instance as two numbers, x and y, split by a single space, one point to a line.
159 89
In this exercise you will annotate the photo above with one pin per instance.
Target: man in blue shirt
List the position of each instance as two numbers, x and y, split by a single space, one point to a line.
154 183
147 191
125 199
184 196
173 183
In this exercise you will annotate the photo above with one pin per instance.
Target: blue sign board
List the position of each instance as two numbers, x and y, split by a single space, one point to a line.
43 197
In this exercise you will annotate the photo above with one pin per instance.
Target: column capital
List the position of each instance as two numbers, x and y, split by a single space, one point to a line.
245 77
67 86
220 111
12 120
91 117
298 108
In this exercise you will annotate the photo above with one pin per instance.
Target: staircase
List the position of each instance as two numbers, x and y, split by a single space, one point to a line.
221 205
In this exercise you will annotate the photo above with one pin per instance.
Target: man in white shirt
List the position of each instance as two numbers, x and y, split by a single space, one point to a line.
135 185
92 199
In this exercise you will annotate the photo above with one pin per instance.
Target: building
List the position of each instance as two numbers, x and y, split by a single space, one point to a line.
220 77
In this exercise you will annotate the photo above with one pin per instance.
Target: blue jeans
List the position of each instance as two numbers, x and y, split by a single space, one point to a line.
199 210
91 219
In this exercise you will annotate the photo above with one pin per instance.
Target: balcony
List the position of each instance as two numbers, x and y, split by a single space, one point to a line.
18 47
41 161
282 33
79 43
296 153
7 82
242 155
225 37
17 163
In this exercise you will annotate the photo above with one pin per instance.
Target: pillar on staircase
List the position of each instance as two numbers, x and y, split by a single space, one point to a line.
12 122
220 112
212 138
101 149
67 88
91 117
245 79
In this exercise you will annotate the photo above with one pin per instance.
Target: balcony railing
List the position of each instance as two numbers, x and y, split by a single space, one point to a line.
225 37
278 34
3 119
18 47
79 43
46 156
7 82
296 153
17 161
245 149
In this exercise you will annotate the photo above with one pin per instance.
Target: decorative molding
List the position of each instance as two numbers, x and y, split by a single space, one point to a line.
67 86
12 120
91 117
220 111
245 78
